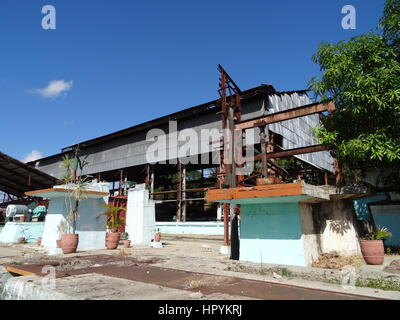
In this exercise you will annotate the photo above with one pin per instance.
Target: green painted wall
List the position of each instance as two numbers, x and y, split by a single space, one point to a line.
271 233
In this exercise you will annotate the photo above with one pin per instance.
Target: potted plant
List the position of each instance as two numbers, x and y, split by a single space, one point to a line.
76 192
372 247
125 239
157 235
62 229
113 223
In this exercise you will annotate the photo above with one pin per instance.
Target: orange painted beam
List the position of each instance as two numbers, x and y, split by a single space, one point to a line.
19 271
273 190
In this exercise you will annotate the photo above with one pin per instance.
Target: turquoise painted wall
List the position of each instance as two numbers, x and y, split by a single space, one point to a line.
389 218
361 205
271 233
14 230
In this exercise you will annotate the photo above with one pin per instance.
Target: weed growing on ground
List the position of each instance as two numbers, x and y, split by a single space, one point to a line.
285 272
380 283
194 284
333 281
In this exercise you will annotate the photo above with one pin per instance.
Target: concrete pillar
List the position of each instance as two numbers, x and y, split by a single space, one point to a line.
140 216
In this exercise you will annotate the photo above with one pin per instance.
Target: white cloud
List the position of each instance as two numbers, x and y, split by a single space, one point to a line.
32 156
54 89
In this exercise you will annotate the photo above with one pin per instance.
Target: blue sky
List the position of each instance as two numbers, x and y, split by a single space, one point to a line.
126 62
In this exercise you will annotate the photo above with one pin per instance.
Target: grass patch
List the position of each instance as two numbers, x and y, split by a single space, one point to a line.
285 272
381 284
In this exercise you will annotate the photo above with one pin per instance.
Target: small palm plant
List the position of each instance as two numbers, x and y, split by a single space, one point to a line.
113 223
77 185
379 234
113 219
75 188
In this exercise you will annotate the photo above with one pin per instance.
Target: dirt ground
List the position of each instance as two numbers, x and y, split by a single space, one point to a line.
335 261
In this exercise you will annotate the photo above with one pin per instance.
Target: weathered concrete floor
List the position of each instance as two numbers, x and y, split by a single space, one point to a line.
201 256
207 284
90 286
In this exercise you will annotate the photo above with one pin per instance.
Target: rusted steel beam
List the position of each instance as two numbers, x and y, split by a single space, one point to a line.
264 137
183 197
226 211
291 152
286 115
179 194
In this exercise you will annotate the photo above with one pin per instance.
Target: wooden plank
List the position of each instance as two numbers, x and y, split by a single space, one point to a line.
19 271
275 190
286 115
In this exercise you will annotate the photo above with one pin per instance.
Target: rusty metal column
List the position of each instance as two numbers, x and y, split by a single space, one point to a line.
179 193
152 169
183 193
121 175
263 141
226 212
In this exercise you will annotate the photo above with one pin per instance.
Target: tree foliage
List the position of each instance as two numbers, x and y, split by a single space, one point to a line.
390 23
362 76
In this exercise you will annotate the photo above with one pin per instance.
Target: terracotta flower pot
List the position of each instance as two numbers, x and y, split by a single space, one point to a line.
22 219
69 243
21 240
112 240
58 243
373 251
127 243
39 241
157 237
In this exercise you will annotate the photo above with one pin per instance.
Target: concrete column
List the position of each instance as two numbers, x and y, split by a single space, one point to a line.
140 216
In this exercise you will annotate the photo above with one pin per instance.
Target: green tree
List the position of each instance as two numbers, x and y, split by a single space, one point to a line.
390 23
362 77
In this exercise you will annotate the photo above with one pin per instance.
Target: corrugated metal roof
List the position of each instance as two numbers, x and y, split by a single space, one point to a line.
17 177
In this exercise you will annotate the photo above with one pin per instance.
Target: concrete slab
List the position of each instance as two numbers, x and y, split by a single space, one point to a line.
88 287
9 252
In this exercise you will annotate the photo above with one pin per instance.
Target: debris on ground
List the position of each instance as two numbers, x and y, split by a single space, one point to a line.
335 261
393 267
196 295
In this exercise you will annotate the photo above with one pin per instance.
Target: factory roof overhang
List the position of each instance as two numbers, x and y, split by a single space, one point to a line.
258 92
284 192
17 177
